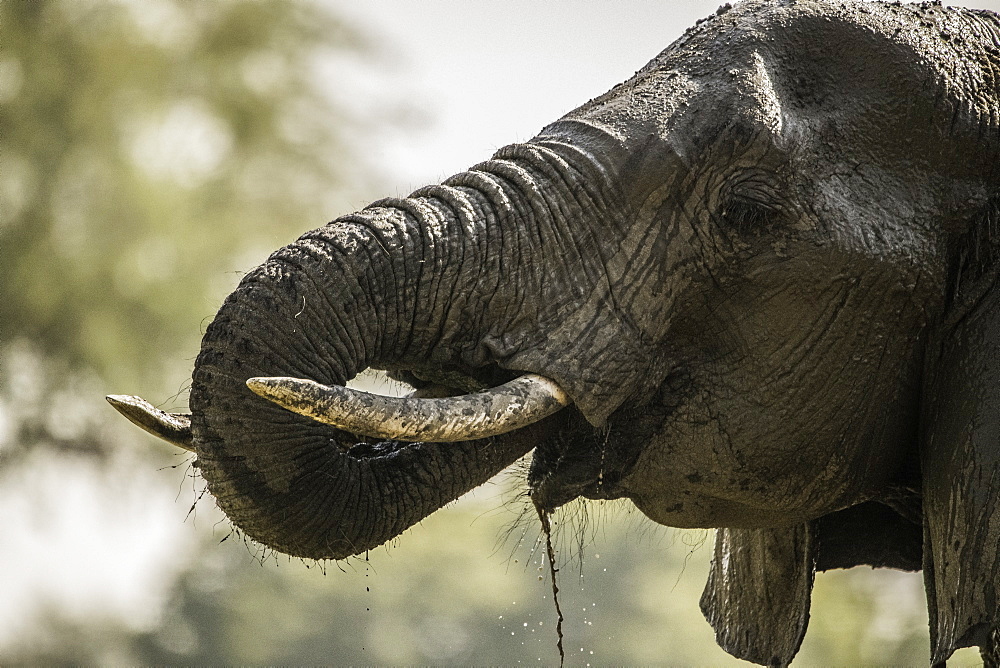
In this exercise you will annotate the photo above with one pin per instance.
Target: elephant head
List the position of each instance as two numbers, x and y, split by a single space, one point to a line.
763 271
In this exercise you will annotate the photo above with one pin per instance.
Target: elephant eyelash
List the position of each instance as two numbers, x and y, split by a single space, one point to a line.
742 212
750 200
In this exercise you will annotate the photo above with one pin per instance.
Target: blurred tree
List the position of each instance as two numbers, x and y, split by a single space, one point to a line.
150 153
149 148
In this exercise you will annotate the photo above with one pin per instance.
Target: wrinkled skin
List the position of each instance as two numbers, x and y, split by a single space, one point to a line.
763 269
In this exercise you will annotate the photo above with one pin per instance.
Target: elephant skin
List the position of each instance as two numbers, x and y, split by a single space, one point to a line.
764 269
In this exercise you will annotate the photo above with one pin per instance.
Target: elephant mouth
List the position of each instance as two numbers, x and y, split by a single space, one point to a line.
599 463
577 460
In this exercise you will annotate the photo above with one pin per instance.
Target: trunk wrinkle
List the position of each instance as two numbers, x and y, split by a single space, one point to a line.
381 288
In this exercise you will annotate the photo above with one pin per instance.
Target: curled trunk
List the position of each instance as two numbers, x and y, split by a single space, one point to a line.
453 278
323 308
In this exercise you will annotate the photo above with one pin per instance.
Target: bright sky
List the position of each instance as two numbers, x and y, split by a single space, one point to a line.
481 75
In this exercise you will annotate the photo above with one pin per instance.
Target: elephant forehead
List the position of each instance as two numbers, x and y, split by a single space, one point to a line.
845 59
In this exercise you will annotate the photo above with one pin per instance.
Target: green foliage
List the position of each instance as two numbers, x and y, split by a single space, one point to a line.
150 153
148 149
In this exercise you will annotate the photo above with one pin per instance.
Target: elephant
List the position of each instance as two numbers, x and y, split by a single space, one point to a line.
753 288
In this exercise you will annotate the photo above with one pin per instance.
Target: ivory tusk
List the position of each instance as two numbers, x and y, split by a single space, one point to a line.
174 428
492 412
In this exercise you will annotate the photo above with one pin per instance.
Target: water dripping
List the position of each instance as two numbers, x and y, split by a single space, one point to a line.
543 516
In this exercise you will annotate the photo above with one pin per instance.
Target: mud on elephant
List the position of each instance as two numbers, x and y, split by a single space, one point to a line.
763 272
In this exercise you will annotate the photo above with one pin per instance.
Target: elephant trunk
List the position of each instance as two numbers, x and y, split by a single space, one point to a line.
415 284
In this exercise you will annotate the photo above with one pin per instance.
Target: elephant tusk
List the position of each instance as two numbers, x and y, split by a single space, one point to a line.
513 405
173 428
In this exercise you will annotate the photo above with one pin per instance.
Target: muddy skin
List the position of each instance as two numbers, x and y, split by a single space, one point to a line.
765 269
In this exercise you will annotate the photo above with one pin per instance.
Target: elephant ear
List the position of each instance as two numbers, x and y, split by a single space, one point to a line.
960 455
758 591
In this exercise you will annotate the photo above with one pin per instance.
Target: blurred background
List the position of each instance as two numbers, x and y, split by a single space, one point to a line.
153 152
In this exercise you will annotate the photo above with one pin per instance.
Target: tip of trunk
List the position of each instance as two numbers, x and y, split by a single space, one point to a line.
174 428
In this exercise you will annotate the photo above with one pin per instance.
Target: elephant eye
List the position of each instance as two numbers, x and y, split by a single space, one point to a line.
751 201
748 214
